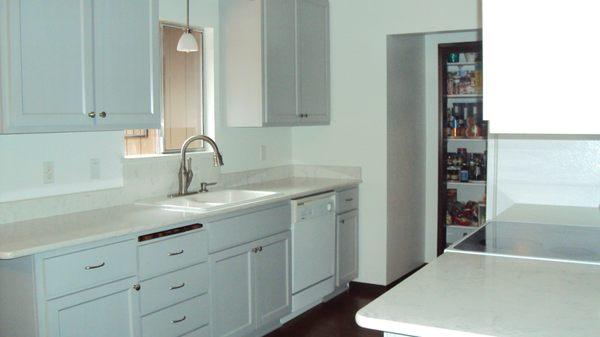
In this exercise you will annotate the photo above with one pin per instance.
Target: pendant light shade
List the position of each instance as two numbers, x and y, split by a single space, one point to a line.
187 42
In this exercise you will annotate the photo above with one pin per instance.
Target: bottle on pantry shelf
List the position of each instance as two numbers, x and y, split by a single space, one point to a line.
472 129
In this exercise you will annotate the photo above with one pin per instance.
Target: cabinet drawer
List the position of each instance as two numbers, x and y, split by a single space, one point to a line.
170 254
87 268
346 200
177 320
174 287
245 228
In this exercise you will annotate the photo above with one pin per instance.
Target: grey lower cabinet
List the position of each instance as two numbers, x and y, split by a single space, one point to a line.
347 248
250 286
109 310
346 261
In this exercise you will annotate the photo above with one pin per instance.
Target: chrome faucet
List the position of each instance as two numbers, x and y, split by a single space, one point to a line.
185 168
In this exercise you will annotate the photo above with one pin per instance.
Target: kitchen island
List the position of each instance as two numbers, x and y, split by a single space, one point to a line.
477 295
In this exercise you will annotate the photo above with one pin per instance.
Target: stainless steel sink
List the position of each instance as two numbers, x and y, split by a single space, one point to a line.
211 200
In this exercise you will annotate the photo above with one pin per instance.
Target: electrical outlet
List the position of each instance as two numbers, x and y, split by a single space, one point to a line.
263 153
94 168
48 172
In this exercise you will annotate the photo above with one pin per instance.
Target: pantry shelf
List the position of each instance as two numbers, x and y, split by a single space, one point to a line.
462 64
470 183
464 96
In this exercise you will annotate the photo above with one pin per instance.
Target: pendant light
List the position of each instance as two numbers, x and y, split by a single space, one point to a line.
187 42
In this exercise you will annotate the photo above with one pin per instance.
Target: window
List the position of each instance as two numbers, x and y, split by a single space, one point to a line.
182 99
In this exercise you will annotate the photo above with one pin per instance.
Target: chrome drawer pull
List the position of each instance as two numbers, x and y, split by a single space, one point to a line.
349 199
179 320
177 287
176 253
96 266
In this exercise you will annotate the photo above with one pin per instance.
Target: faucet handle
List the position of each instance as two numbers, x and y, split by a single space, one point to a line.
204 186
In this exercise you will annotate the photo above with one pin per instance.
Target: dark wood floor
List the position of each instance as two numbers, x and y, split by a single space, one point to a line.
336 317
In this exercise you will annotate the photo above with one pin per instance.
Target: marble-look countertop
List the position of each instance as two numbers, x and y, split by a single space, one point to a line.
476 295
39 235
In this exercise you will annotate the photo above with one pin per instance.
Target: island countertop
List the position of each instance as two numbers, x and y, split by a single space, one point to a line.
477 295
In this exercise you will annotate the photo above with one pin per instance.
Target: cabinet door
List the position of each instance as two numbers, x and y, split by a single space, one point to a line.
127 64
107 311
273 274
313 61
46 55
231 292
347 248
279 59
525 92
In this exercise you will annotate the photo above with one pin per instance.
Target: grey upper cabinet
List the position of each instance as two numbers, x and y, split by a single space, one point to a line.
313 61
280 62
275 56
77 65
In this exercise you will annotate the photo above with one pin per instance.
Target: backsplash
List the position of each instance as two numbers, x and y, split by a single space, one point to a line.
157 176
548 170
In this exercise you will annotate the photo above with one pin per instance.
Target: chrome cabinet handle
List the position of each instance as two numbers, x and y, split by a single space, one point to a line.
96 266
177 287
179 320
176 253
92 114
102 114
137 287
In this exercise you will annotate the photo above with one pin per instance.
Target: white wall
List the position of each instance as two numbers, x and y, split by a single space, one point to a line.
432 114
22 158
356 136
406 139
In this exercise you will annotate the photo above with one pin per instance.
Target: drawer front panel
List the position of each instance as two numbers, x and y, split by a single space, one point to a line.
245 228
166 255
87 268
202 332
347 200
162 291
177 320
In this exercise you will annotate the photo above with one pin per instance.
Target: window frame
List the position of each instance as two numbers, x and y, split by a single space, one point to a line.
203 120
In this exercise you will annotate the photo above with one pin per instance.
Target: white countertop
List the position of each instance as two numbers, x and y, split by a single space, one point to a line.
476 295
35 236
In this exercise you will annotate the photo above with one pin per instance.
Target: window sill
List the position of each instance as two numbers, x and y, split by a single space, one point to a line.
166 156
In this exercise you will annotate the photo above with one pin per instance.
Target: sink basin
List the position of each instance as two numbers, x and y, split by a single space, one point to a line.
211 200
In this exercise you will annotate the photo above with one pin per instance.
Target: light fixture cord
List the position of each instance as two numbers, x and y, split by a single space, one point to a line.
188 16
